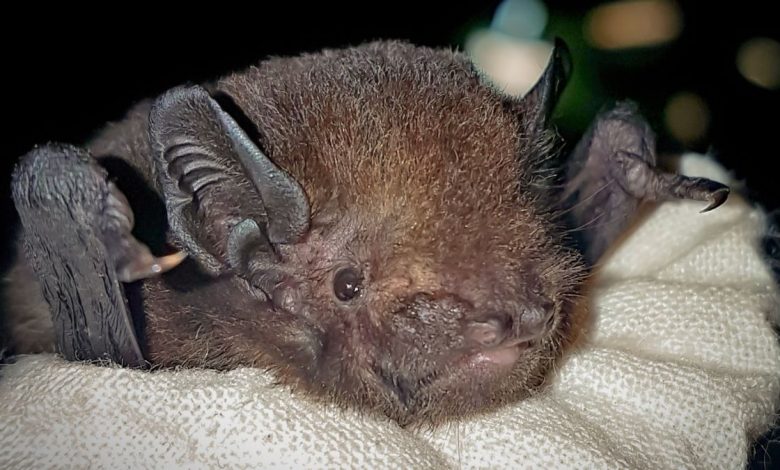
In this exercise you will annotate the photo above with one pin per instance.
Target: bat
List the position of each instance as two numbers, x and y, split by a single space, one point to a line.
378 225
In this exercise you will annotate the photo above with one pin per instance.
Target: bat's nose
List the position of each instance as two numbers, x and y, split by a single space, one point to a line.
531 323
443 328
486 333
443 337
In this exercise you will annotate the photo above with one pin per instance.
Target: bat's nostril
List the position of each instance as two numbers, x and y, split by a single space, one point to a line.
486 333
533 323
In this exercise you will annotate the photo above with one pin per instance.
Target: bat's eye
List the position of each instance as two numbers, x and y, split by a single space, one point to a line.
347 284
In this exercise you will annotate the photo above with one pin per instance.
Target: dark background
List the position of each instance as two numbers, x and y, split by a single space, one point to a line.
66 73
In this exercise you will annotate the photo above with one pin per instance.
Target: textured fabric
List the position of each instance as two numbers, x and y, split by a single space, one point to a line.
677 367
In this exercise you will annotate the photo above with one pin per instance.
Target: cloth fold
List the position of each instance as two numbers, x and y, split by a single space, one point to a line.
678 367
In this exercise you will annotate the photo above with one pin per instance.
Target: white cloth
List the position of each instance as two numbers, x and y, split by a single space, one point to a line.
679 368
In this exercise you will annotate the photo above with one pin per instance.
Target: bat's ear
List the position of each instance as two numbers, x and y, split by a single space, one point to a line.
537 105
226 200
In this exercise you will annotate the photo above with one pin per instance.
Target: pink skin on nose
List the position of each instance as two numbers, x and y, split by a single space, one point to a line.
504 356
490 335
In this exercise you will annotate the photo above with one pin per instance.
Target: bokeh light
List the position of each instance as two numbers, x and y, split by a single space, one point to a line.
633 23
520 18
687 117
513 66
510 52
758 60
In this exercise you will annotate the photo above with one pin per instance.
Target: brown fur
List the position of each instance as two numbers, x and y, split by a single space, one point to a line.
422 177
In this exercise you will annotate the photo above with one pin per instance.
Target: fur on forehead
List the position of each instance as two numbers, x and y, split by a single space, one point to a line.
385 118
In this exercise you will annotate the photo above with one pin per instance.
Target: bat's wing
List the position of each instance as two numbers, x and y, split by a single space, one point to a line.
77 239
77 224
613 170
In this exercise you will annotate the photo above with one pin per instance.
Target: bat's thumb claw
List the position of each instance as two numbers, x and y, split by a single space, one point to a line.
717 198
168 262
143 265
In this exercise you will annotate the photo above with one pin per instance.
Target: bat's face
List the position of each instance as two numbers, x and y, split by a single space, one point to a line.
428 298
425 278
431 280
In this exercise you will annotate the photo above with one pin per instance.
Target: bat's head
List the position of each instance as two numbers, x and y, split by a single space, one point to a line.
381 215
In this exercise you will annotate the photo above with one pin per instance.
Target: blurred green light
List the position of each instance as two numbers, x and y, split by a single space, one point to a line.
524 19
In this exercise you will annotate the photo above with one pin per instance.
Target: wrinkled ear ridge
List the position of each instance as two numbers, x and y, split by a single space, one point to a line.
213 178
185 166
284 200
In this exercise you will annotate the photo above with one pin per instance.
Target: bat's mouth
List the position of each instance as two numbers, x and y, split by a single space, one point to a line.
500 357
483 358
465 373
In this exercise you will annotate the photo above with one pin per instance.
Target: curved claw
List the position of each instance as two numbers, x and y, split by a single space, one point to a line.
168 262
145 265
132 259
717 198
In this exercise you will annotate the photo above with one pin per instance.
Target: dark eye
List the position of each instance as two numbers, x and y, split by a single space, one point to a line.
347 284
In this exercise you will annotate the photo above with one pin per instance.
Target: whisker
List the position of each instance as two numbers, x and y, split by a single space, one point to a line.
591 196
588 224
